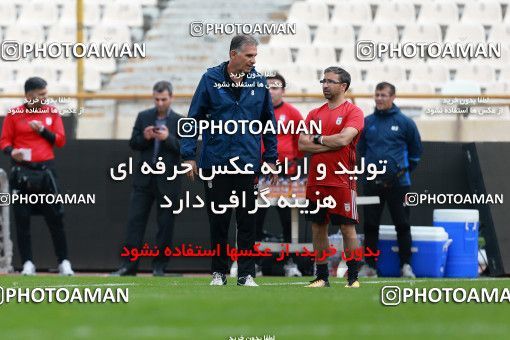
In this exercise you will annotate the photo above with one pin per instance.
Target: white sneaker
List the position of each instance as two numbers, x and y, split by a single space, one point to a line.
233 269
247 281
407 271
218 279
367 271
258 271
64 268
291 269
28 269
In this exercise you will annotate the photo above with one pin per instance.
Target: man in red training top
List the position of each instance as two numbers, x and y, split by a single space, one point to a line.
342 123
288 116
29 133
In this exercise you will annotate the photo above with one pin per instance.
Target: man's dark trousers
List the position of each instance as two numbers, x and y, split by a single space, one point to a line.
219 190
142 199
395 197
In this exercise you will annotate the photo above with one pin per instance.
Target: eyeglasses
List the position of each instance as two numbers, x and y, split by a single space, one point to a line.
330 81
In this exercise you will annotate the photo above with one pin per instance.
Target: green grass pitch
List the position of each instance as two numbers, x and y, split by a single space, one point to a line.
188 308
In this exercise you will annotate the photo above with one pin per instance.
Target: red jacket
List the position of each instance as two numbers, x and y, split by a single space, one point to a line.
17 133
288 143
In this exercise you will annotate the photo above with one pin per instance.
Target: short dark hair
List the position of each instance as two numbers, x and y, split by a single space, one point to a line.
343 75
279 77
162 86
35 83
241 40
385 84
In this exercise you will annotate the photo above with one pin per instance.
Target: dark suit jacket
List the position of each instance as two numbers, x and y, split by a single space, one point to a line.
169 149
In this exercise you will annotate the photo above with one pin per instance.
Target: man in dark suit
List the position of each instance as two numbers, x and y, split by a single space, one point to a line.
155 136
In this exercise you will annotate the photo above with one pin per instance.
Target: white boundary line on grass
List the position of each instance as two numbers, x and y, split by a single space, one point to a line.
93 284
436 280
175 283
391 281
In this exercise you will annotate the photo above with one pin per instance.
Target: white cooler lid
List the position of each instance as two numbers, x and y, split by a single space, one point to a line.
419 233
456 215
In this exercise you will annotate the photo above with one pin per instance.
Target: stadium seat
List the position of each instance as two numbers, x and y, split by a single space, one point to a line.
379 32
355 72
53 63
483 12
301 77
310 87
362 87
497 88
60 2
415 87
103 65
321 56
62 33
479 73
7 76
448 62
496 62
123 13
327 2
398 13
272 56
27 33
100 2
352 12
8 16
390 73
440 12
421 33
347 54
504 73
506 19
125 125
339 33
417 2
366 105
94 127
465 33
148 2
405 62
91 13
110 34
429 73
302 37
464 87
68 77
300 72
34 70
45 14
311 13
500 33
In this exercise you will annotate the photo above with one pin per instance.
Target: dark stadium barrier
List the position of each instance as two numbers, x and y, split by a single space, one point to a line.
488 172
96 232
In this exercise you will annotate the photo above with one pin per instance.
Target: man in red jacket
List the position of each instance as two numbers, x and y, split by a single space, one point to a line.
29 133
288 150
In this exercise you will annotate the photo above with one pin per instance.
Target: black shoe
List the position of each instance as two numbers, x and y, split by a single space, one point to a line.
352 272
246 281
318 283
123 271
158 272
219 279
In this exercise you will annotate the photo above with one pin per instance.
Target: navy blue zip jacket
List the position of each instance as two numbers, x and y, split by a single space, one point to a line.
220 104
392 136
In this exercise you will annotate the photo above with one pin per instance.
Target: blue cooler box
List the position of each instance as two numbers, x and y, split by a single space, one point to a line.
429 250
462 226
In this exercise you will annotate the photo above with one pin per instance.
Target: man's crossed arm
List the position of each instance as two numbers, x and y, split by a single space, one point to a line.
327 143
